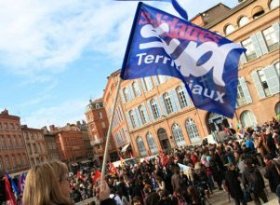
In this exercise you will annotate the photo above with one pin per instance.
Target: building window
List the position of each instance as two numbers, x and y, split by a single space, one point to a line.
263 82
247 119
152 144
191 129
273 4
243 21
178 135
257 12
250 53
277 68
155 109
14 163
132 119
229 29
271 38
125 94
7 162
142 114
100 115
168 103
182 97
241 100
136 89
148 83
277 110
141 147
162 78
243 95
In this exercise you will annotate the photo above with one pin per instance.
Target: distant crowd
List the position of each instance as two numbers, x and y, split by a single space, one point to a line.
237 164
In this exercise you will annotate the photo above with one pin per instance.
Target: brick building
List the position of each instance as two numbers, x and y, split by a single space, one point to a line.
50 144
97 122
85 135
13 155
35 145
70 143
158 111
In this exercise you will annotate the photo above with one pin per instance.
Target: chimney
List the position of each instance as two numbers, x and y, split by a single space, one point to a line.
52 128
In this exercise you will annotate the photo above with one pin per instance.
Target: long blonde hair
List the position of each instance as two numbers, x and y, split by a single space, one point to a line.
42 187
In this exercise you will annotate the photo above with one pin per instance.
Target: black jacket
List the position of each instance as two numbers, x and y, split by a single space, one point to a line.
272 175
233 184
253 180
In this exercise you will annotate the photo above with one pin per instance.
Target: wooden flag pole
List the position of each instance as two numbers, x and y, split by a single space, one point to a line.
109 132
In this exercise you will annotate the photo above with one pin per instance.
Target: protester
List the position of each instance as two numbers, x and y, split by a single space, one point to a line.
253 182
183 175
44 186
272 172
232 185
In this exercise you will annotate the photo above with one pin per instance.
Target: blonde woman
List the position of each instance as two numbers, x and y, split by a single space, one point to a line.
46 184
62 174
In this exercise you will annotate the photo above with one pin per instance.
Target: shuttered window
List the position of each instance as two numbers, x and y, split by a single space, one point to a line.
271 38
168 103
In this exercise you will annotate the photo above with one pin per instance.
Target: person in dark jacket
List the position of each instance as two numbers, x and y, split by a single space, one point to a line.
253 182
271 172
232 183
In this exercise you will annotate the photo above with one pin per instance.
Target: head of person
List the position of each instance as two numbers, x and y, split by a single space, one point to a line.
42 186
62 174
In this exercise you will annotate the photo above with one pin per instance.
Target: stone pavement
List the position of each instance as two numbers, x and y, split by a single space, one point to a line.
221 198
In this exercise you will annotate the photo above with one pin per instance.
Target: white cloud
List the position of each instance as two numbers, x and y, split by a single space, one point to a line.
57 115
39 35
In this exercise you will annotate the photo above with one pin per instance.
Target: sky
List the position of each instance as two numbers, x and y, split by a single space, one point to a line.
56 55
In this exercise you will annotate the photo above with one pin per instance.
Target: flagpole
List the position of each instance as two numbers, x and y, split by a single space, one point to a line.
109 131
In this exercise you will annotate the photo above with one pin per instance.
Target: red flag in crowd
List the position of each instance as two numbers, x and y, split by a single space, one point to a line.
97 176
164 159
10 197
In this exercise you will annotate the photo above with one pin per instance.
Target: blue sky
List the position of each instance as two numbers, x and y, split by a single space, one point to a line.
56 55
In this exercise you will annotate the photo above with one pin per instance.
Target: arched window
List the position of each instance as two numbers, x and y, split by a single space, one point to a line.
136 89
191 129
132 118
243 21
125 94
178 135
7 162
151 143
247 119
141 147
229 29
168 103
257 12
142 114
273 4
182 97
155 109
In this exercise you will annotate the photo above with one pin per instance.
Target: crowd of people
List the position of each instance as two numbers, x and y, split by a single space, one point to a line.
236 165
188 175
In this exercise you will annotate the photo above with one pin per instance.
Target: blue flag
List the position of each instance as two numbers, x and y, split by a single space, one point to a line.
207 63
